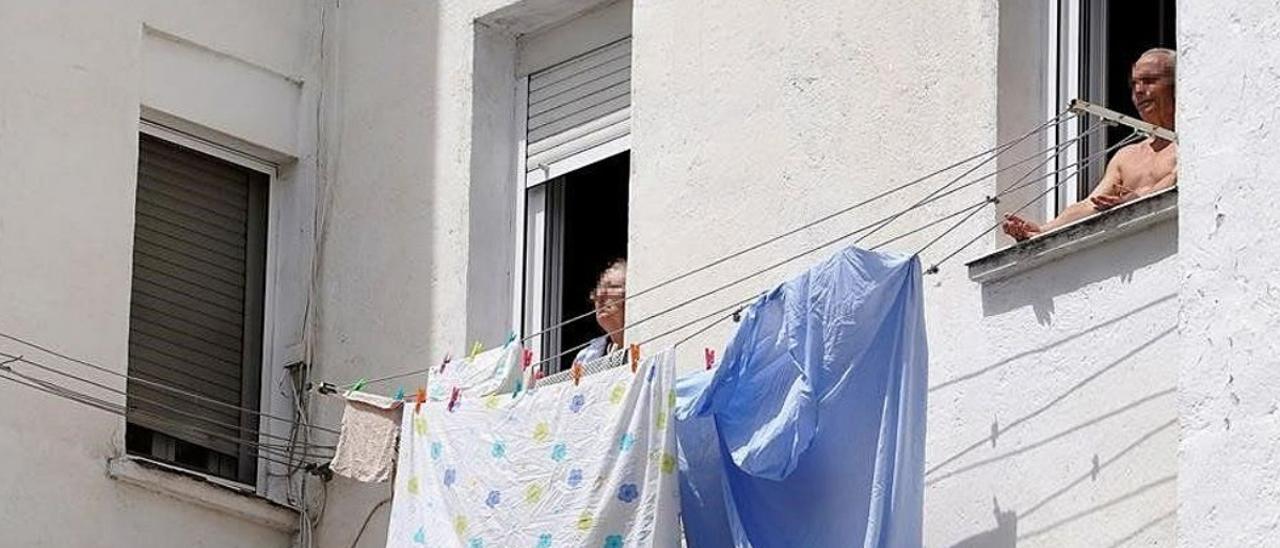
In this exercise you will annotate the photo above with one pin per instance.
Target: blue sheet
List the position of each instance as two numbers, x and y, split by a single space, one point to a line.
811 431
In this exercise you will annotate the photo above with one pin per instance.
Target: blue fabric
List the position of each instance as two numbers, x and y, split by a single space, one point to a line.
816 415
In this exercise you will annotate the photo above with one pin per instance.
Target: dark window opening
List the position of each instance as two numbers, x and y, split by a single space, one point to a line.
1115 35
586 230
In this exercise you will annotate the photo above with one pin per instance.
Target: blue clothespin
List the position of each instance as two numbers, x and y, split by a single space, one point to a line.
519 387
447 358
399 393
511 338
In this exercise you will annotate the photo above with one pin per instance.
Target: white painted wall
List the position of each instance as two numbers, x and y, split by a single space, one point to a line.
1228 72
78 76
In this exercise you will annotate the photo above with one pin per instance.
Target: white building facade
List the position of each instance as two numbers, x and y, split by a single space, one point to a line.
411 177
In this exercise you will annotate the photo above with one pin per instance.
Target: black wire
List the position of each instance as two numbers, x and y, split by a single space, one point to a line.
153 384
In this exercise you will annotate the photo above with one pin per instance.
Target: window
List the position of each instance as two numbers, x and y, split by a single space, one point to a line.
196 310
1097 43
577 164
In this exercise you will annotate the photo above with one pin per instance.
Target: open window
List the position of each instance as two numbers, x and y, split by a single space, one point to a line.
576 171
1096 45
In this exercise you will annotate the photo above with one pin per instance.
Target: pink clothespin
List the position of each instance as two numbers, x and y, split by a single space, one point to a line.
422 396
447 358
527 358
710 355
454 397
537 376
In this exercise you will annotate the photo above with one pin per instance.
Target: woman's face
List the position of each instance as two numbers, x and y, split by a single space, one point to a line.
609 294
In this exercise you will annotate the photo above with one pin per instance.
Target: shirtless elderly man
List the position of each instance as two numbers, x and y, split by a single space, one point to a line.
1138 169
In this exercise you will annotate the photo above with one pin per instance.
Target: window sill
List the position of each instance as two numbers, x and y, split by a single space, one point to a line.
213 493
1083 234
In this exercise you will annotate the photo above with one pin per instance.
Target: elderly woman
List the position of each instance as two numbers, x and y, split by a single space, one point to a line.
608 296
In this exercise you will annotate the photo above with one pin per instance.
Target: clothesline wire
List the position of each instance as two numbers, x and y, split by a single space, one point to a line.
100 403
97 403
1127 140
936 196
137 398
972 209
154 384
811 250
1059 119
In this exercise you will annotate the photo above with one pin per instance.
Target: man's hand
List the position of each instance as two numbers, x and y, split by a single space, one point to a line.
1108 201
1019 228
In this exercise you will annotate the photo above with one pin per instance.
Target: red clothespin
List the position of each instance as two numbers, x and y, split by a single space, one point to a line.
710 356
527 358
447 358
422 396
537 376
635 357
454 397
575 372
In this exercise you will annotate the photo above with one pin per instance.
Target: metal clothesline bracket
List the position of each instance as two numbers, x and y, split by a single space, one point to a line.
1114 117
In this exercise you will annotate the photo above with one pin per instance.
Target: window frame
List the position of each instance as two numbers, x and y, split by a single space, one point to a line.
271 260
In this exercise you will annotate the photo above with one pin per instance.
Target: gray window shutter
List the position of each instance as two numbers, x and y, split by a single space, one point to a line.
195 318
576 107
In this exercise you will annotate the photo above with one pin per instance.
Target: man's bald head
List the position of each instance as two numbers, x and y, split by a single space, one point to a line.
1152 85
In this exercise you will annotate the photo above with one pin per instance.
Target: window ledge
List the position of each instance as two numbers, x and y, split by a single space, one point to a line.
1083 234
213 493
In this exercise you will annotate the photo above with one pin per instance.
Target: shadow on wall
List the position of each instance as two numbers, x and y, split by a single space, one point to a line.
1118 258
1005 534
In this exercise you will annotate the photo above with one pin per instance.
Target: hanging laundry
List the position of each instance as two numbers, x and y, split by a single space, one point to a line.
592 464
494 371
816 415
366 448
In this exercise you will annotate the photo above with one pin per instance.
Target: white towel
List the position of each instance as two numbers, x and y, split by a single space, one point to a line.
367 443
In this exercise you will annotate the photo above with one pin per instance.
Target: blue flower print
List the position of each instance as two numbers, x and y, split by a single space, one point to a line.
559 452
575 477
499 450
476 542
544 541
628 492
436 450
420 537
450 476
495 498
626 441
576 404
613 541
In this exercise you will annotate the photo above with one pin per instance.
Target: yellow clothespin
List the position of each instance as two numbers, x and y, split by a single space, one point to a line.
475 350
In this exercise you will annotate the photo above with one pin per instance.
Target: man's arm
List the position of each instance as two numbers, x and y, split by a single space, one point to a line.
1109 192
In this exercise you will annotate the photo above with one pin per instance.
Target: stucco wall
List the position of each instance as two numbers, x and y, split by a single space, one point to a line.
77 75
1230 461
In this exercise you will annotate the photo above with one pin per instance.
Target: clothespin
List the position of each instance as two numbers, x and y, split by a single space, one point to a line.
447 358
422 397
710 356
575 372
527 358
475 349
635 357
511 338
399 394
537 376
519 386
358 385
453 398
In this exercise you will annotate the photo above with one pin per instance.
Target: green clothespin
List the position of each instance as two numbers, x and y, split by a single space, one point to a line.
358 385
399 393
475 349
511 338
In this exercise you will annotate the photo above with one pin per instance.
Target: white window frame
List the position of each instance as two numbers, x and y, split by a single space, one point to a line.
274 198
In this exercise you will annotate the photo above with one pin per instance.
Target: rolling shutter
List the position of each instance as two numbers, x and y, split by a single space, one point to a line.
579 112
195 318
